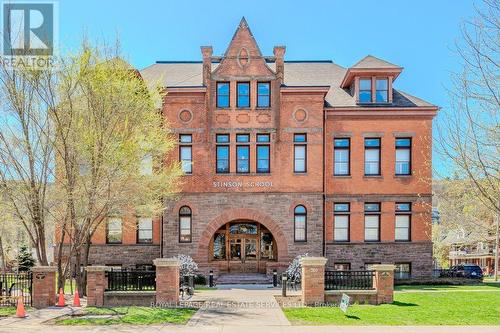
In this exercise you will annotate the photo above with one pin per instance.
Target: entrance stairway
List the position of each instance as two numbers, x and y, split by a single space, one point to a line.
244 278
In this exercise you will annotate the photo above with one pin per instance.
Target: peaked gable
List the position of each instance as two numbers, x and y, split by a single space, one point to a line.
243 56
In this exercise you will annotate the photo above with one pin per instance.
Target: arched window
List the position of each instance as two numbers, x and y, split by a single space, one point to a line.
185 219
300 223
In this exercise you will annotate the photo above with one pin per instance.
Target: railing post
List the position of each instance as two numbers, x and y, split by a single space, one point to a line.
44 286
167 280
211 279
283 284
96 285
383 282
275 278
313 280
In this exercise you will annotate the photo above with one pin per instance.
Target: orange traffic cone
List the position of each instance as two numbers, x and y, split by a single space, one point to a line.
20 312
76 299
60 302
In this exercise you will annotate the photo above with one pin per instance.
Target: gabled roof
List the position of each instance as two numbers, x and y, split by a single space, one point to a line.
373 62
297 73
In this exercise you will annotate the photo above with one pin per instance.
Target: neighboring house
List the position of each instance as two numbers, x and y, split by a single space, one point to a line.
472 248
283 158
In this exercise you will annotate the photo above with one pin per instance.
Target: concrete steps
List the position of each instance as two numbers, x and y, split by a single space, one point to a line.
244 278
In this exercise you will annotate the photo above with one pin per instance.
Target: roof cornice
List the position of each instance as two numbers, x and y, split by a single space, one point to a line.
200 89
381 112
305 89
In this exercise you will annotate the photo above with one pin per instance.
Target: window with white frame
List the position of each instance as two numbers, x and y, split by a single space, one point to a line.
145 230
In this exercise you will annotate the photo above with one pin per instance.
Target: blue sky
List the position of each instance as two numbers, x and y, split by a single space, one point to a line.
418 35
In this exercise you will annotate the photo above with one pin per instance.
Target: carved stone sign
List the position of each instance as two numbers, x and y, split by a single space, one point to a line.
241 184
40 276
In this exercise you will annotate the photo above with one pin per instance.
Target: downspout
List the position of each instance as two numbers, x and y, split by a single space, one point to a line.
161 232
324 181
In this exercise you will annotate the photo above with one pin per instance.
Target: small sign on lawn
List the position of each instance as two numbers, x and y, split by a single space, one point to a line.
344 303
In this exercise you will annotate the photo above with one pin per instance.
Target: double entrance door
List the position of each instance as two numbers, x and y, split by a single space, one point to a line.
243 254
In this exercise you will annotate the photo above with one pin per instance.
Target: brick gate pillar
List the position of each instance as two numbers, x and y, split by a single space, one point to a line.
383 282
44 286
313 280
97 282
167 280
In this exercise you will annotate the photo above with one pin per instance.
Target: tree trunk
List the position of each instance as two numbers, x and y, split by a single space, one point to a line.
496 247
2 257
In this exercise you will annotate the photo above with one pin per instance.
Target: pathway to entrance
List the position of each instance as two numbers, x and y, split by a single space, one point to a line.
239 305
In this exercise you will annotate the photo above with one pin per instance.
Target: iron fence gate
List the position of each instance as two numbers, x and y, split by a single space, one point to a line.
13 286
349 280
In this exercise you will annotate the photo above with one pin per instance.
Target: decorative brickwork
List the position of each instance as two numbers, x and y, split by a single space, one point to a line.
313 280
167 280
96 285
44 286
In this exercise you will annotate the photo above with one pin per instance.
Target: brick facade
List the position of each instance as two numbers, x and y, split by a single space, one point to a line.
318 99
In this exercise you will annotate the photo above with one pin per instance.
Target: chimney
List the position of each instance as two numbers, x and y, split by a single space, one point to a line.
279 54
206 52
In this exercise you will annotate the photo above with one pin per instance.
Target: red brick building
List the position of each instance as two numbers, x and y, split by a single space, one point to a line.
284 158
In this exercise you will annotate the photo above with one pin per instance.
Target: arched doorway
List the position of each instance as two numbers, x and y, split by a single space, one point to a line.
242 247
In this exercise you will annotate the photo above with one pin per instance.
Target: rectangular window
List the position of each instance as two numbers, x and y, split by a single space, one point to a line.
341 156
342 266
146 166
263 94
185 153
341 222
222 94
185 229
403 156
382 90
300 153
222 153
243 138
243 94
402 270
372 222
403 222
114 231
145 230
365 90
372 157
263 158
243 159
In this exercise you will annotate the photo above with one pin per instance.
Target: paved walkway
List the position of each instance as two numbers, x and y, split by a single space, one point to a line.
239 305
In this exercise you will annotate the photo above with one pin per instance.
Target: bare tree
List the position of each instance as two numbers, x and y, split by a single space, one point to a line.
469 138
26 151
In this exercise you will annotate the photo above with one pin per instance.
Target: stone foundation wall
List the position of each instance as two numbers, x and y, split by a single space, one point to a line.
126 255
128 298
418 254
355 296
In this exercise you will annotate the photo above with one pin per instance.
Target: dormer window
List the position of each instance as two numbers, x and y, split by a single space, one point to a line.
365 90
382 92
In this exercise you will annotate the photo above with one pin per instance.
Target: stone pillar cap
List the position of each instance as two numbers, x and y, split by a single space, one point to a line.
313 261
43 269
383 267
163 262
97 268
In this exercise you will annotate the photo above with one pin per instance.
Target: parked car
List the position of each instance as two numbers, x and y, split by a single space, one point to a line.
467 271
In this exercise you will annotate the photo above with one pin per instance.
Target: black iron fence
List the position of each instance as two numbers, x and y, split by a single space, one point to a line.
349 280
13 286
132 280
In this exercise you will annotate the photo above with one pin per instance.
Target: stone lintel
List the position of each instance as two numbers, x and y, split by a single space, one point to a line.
166 262
313 261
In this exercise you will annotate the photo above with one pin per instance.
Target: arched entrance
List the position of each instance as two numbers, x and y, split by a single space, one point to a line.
242 246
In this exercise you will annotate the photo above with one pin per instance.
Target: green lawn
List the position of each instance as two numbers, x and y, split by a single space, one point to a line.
453 305
136 315
7 311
